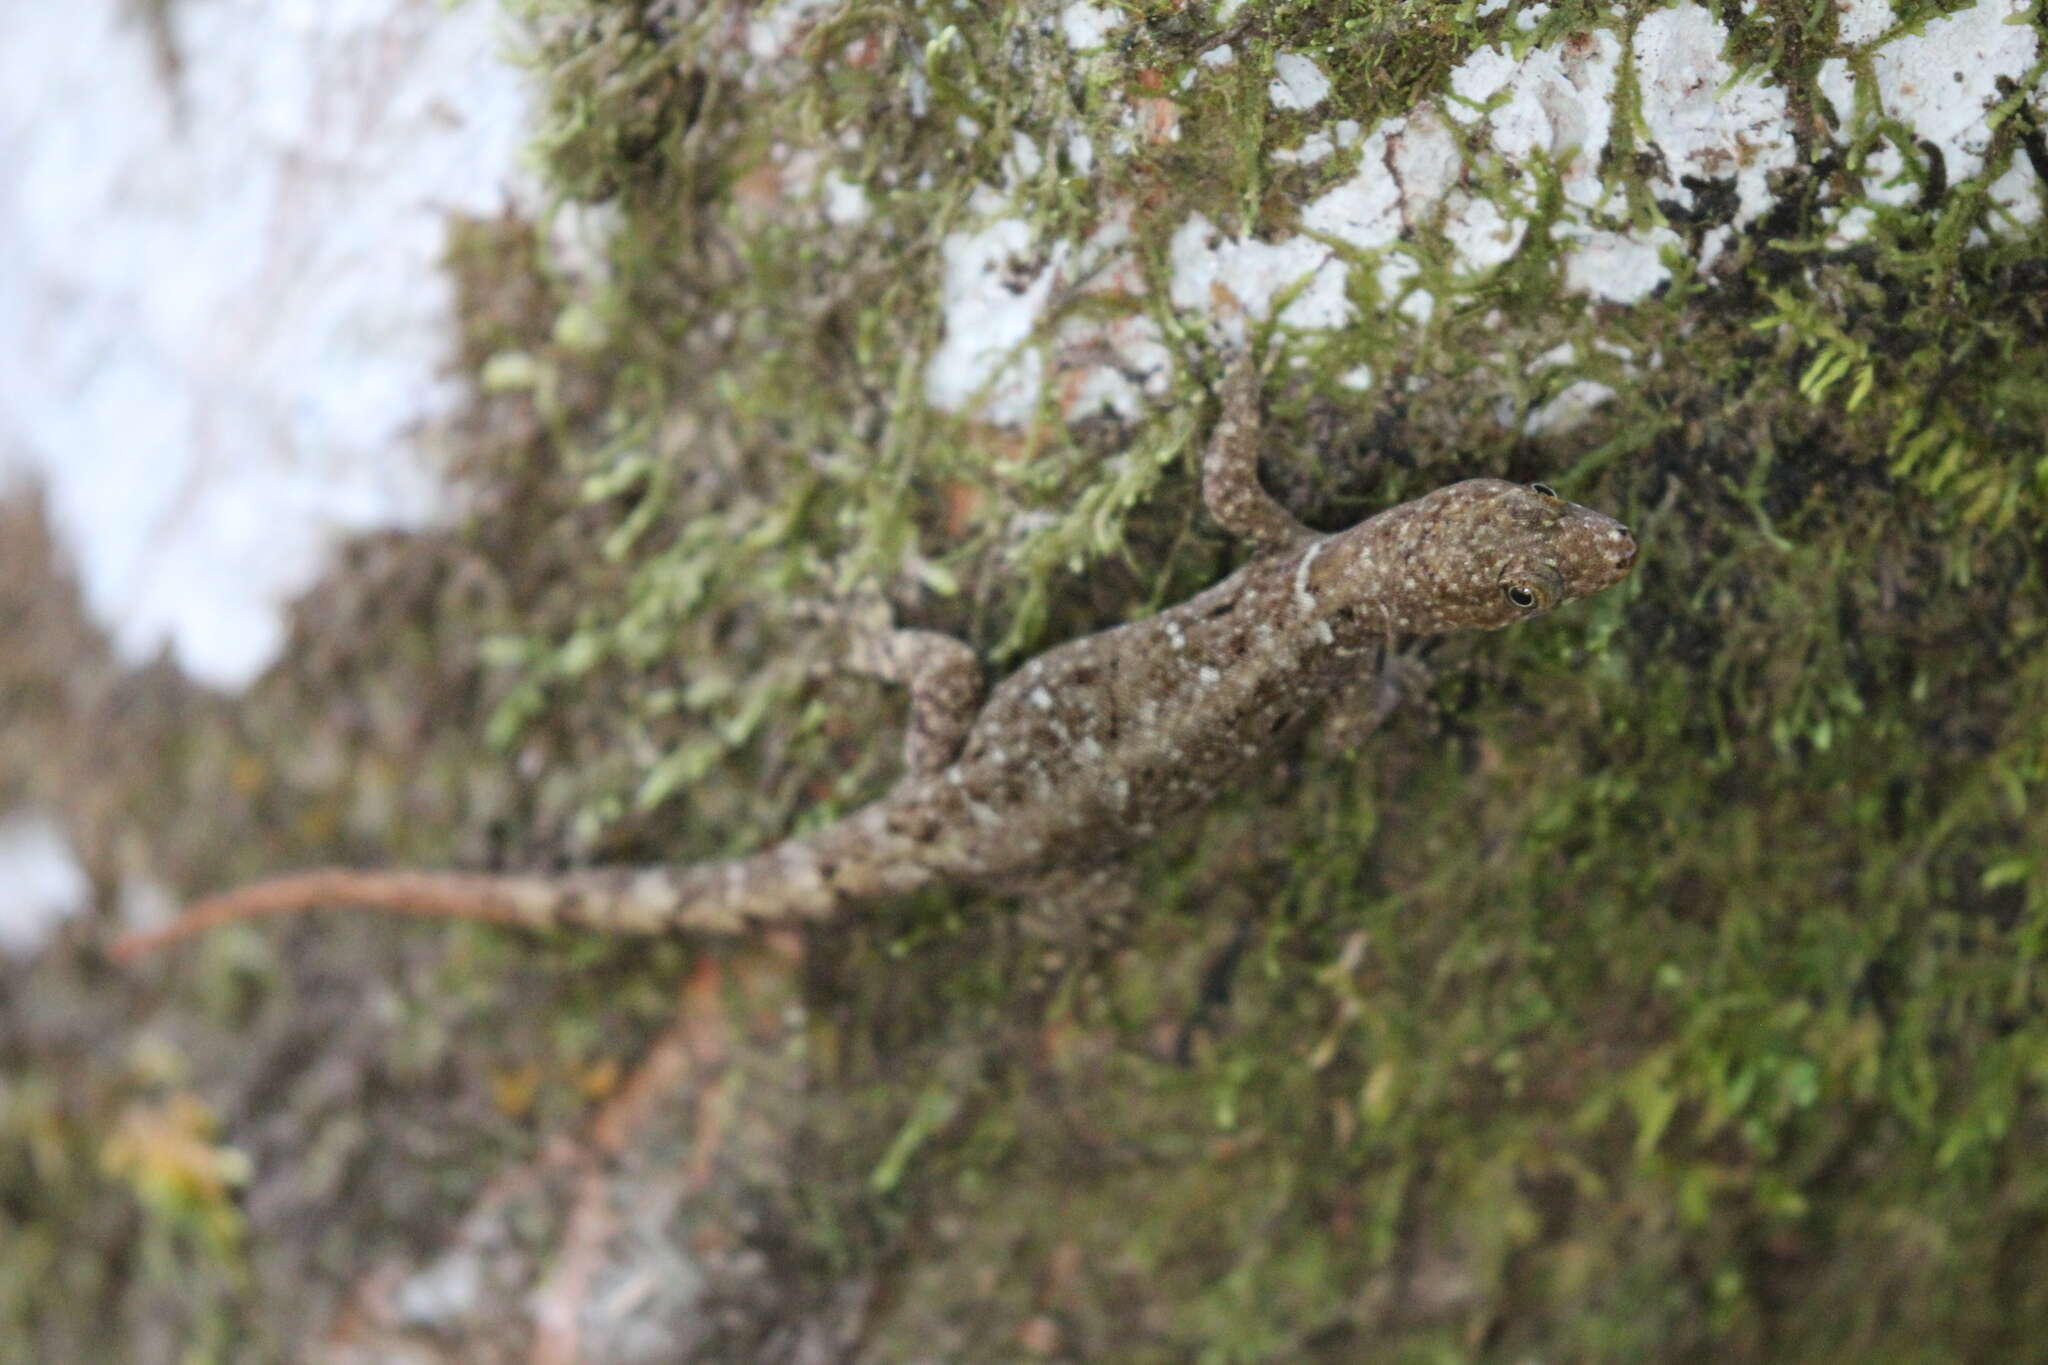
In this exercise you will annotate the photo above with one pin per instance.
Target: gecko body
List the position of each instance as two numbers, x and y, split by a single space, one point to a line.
1087 749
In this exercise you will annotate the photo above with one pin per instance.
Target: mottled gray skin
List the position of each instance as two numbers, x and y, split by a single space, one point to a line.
1089 748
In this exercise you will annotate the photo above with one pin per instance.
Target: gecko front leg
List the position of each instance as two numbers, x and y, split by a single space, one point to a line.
1397 678
1230 471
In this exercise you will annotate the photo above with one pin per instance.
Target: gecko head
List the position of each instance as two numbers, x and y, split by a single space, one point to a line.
1518 550
1486 553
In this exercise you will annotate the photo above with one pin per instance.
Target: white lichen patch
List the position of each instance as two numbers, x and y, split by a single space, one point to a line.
1940 84
844 203
2018 194
1112 364
792 180
1087 27
991 361
993 292
1112 367
1570 408
227 325
1440 197
1080 153
1319 145
1230 279
1412 176
1025 161
41 883
1481 233
1859 21
1413 173
1551 102
776 28
1620 267
1707 123
1298 83
1365 211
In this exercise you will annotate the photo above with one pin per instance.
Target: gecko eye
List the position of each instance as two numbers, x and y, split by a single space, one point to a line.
1520 594
1545 489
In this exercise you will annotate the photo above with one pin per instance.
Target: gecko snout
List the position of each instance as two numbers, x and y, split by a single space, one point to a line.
1605 552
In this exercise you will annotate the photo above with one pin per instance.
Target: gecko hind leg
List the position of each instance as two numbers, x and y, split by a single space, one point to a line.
943 678
941 674
1230 470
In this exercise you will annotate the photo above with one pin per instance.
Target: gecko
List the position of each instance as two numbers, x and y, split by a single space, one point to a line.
1087 749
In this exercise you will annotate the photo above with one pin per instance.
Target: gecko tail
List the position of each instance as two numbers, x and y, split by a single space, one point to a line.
427 895
719 898
803 880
